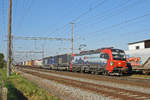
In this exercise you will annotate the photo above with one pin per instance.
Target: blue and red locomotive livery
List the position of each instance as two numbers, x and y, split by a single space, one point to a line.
105 61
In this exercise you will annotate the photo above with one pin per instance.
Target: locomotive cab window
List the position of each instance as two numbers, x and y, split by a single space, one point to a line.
105 56
101 55
118 54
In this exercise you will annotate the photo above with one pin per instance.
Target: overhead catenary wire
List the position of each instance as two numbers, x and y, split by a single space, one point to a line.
119 6
133 4
28 51
74 5
40 38
108 16
134 31
89 10
135 19
58 29
107 11
81 15
14 14
64 30
123 22
26 11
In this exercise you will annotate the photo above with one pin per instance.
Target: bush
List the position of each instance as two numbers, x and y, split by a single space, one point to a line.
2 62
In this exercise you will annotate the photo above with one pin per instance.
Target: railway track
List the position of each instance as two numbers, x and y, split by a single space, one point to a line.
115 79
85 82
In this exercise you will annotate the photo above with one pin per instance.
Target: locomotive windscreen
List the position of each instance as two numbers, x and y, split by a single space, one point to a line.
118 54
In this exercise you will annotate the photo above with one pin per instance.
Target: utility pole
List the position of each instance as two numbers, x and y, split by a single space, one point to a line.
70 65
72 40
9 39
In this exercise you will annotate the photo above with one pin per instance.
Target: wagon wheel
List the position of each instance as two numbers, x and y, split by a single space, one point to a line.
96 73
145 72
92 72
81 71
106 73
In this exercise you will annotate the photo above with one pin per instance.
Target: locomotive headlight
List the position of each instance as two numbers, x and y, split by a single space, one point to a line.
111 63
126 64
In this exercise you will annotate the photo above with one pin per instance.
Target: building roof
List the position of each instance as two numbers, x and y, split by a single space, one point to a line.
139 41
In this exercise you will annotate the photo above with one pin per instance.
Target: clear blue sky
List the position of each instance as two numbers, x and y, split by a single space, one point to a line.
100 23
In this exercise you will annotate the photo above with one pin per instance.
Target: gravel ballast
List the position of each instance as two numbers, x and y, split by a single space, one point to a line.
62 91
111 84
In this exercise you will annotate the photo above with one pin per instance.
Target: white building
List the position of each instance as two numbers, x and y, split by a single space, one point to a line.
139 45
139 49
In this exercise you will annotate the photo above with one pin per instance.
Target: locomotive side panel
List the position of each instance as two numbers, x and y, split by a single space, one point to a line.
89 63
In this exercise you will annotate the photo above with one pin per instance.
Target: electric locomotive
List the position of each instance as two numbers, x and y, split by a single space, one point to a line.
108 61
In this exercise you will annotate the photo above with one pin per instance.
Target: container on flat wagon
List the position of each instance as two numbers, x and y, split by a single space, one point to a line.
48 60
32 62
29 63
23 63
63 60
38 62
137 57
26 63
51 61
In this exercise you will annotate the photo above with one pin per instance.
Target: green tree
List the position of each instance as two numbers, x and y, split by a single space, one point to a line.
1 60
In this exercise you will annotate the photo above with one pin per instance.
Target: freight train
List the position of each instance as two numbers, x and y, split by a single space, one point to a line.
32 63
108 61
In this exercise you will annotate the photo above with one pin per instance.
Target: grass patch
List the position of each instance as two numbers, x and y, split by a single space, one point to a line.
22 89
141 76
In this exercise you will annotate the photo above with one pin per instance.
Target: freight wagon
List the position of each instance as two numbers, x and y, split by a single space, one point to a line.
139 60
48 62
28 63
62 62
58 62
37 63
138 54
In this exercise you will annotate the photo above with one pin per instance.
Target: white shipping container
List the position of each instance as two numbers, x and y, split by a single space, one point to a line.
38 62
